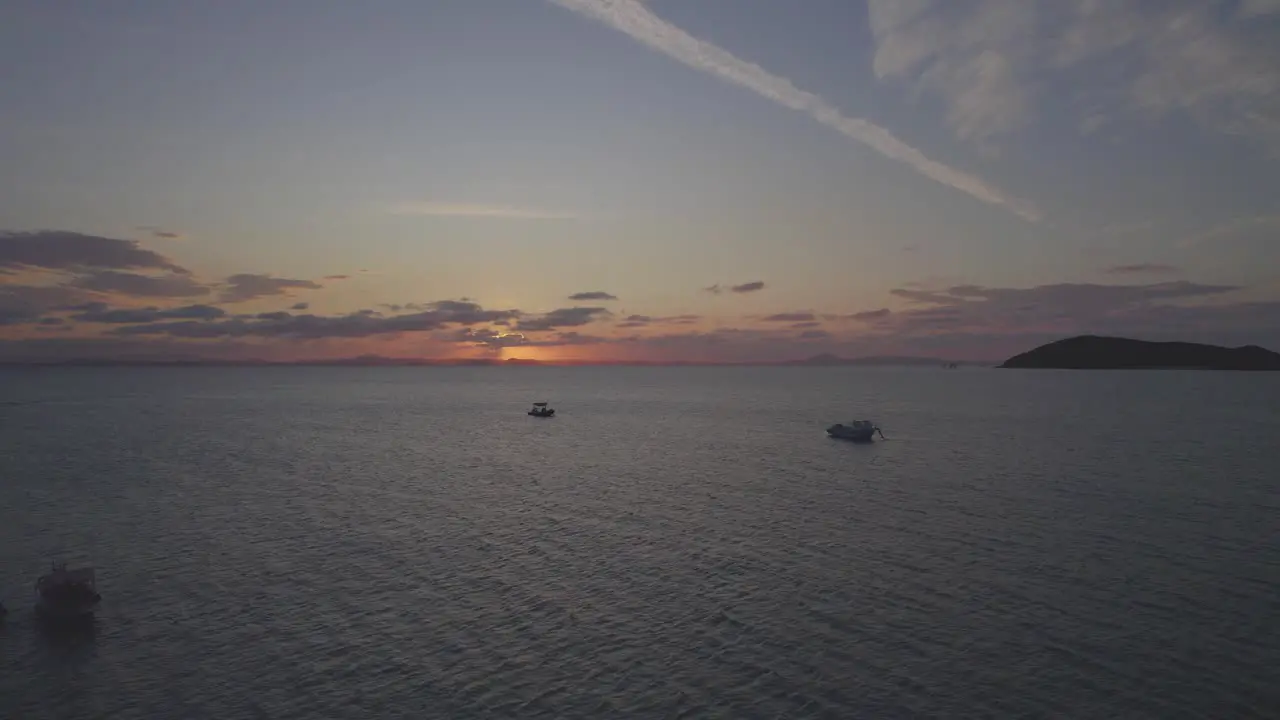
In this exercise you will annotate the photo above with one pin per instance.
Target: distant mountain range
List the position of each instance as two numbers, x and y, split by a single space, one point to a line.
1092 352
825 360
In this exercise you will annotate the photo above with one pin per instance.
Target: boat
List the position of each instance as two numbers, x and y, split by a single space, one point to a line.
540 409
67 594
856 430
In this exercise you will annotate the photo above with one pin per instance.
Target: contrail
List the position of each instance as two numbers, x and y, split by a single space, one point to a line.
634 19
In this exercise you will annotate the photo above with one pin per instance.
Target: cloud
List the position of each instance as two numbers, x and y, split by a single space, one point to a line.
127 283
100 313
1069 294
790 317
994 63
962 321
359 324
310 327
489 339
638 321
921 296
593 295
871 315
336 277
250 286
637 21
300 306
749 287
563 317
465 210
1062 309
1140 268
16 314
62 250
24 303
159 232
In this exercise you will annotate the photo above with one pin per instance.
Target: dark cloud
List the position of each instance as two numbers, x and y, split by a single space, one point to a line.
790 317
61 250
497 340
1069 309
159 232
593 295
749 287
871 315
26 303
250 286
337 277
363 323
52 321
99 313
636 321
300 306
449 306
487 338
127 283
805 325
563 317
814 335
921 296
867 316
16 315
1141 268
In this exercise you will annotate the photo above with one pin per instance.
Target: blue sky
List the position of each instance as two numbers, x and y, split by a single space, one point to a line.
515 152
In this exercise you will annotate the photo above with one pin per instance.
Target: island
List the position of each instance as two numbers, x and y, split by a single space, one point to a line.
1092 352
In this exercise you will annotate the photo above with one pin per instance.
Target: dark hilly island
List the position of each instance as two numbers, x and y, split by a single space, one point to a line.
1091 352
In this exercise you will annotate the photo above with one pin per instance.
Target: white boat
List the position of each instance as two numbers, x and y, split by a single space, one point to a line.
857 430
67 594
540 409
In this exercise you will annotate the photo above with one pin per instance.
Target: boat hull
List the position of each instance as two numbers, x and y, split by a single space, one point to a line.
66 613
844 432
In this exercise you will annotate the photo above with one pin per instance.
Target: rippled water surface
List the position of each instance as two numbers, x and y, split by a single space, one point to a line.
407 543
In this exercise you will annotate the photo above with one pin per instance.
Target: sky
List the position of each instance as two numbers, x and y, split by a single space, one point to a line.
666 180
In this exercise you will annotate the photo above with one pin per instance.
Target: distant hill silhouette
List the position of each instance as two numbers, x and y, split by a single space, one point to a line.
1091 352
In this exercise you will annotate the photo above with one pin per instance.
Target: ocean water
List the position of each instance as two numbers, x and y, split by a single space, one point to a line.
677 542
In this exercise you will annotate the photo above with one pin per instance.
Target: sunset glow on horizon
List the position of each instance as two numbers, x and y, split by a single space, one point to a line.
614 180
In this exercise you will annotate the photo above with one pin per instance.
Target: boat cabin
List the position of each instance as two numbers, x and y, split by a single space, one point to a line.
63 590
540 409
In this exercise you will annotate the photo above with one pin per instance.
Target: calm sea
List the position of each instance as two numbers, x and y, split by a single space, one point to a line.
408 543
